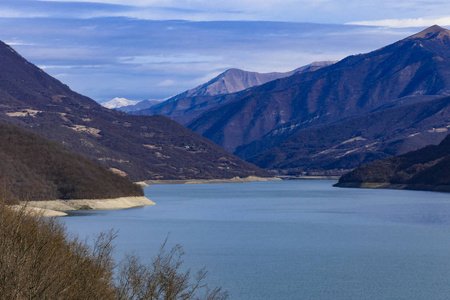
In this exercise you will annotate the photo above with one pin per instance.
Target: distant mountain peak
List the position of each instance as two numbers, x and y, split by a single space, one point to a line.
433 32
233 70
118 102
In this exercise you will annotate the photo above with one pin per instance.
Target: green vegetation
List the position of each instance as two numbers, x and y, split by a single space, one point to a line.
36 168
39 260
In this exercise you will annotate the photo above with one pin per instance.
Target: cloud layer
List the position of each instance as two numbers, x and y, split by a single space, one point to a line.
142 49
317 11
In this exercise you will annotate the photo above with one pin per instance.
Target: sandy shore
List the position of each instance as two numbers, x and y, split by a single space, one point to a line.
198 181
312 177
58 207
39 211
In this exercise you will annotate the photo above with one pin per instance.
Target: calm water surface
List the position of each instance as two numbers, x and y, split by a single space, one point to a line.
295 239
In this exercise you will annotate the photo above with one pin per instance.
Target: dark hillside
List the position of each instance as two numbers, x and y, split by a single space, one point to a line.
340 147
413 70
427 169
35 168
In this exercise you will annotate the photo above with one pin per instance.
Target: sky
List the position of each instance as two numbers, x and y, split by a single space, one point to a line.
154 49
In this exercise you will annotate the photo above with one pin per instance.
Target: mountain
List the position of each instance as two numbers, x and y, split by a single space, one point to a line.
140 147
118 103
425 169
190 104
235 80
336 148
412 70
144 104
35 168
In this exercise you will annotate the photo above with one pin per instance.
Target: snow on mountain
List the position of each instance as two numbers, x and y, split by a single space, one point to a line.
118 102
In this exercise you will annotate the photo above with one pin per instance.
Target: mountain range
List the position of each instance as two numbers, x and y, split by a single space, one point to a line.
188 105
334 118
140 147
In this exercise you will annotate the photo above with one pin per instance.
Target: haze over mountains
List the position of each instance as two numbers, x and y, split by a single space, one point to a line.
140 147
285 124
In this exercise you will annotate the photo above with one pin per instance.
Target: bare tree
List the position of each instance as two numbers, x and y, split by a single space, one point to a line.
39 260
162 279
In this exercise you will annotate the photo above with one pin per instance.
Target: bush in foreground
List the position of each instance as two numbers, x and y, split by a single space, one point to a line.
38 260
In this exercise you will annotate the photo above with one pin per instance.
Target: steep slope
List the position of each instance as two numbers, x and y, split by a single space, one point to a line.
141 147
35 168
412 70
236 80
426 169
336 148
192 103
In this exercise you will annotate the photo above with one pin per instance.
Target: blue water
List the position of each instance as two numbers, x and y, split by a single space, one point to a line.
296 239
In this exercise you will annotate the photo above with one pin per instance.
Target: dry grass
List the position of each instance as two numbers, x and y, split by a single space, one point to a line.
39 260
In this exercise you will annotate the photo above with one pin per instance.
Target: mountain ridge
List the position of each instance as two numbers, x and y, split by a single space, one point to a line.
141 147
412 70
302 97
186 106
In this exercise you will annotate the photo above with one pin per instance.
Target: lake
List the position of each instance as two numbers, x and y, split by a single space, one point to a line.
293 239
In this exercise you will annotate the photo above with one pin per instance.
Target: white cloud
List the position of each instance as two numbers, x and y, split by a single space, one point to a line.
202 10
167 82
172 59
19 13
231 4
404 23
47 67
18 43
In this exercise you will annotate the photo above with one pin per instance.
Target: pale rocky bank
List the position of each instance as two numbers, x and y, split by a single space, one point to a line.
57 208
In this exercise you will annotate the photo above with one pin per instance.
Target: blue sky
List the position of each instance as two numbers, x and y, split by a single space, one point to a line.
153 49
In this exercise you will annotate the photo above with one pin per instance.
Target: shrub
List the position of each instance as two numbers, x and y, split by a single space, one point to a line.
38 260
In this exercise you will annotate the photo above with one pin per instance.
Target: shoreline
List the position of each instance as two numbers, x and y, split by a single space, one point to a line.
311 177
392 186
41 212
201 181
58 208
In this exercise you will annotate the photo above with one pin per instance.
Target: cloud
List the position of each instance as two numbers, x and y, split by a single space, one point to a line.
60 67
141 59
404 23
166 59
318 11
18 43
167 82
199 10
20 13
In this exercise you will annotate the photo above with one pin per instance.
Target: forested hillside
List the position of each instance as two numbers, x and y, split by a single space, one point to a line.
35 168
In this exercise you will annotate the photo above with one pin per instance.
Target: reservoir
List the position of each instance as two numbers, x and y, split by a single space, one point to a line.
293 239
